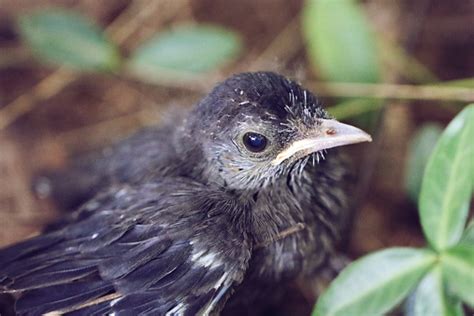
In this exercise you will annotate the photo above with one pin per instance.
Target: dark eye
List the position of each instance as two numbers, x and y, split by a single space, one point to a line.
255 142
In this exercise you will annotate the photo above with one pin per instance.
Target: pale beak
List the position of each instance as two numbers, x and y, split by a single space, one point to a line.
328 134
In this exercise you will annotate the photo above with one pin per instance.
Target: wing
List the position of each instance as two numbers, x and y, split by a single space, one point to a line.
171 248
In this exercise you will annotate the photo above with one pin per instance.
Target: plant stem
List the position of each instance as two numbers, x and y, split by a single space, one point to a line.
393 91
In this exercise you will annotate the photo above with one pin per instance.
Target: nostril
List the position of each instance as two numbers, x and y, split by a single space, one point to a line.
330 131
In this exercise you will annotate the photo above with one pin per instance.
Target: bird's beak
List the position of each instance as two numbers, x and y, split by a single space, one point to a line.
328 134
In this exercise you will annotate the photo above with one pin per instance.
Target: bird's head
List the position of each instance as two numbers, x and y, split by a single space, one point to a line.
256 127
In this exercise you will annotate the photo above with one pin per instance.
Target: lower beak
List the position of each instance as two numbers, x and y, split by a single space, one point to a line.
328 134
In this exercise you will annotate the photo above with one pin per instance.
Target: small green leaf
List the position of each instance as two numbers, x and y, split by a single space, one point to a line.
458 271
65 37
419 152
186 49
374 284
447 183
340 42
429 298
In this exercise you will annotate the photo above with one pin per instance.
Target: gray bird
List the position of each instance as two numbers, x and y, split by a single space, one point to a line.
240 197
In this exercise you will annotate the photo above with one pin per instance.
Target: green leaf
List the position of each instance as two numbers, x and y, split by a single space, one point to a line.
340 42
419 152
458 270
430 298
468 235
447 183
187 49
376 283
65 37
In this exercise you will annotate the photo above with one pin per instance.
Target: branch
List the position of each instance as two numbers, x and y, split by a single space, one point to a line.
393 91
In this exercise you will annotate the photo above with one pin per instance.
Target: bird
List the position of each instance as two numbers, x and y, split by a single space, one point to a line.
240 195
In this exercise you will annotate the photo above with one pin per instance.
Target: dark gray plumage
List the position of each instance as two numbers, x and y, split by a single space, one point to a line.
236 196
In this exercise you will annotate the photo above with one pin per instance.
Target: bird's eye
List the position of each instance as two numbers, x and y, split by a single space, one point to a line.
255 142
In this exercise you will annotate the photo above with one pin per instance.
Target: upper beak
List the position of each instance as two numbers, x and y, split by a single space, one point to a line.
328 134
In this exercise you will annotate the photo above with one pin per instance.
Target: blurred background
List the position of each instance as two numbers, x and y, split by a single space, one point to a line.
78 75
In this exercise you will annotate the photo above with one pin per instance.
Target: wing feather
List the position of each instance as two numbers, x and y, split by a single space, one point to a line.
136 253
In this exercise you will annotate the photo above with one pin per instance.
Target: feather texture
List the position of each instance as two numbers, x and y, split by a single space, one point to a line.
174 217
133 250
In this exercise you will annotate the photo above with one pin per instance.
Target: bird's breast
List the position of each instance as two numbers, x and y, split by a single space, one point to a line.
290 237
295 254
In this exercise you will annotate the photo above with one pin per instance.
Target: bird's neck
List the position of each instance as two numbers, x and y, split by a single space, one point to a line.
316 199
273 209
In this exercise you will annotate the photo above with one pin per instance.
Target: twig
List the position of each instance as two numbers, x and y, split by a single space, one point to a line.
393 91
110 126
148 114
123 27
406 65
43 90
129 20
439 92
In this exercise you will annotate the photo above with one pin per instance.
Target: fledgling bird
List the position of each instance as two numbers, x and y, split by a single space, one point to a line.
241 196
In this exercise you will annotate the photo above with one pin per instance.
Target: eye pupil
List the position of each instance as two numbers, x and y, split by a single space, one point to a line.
255 142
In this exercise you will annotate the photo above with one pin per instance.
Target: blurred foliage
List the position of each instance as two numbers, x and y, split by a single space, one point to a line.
376 283
66 37
421 146
342 47
339 41
354 107
187 49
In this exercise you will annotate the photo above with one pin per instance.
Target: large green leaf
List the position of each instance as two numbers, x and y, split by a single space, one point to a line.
430 298
374 284
447 183
468 235
340 42
65 37
419 152
187 49
458 270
